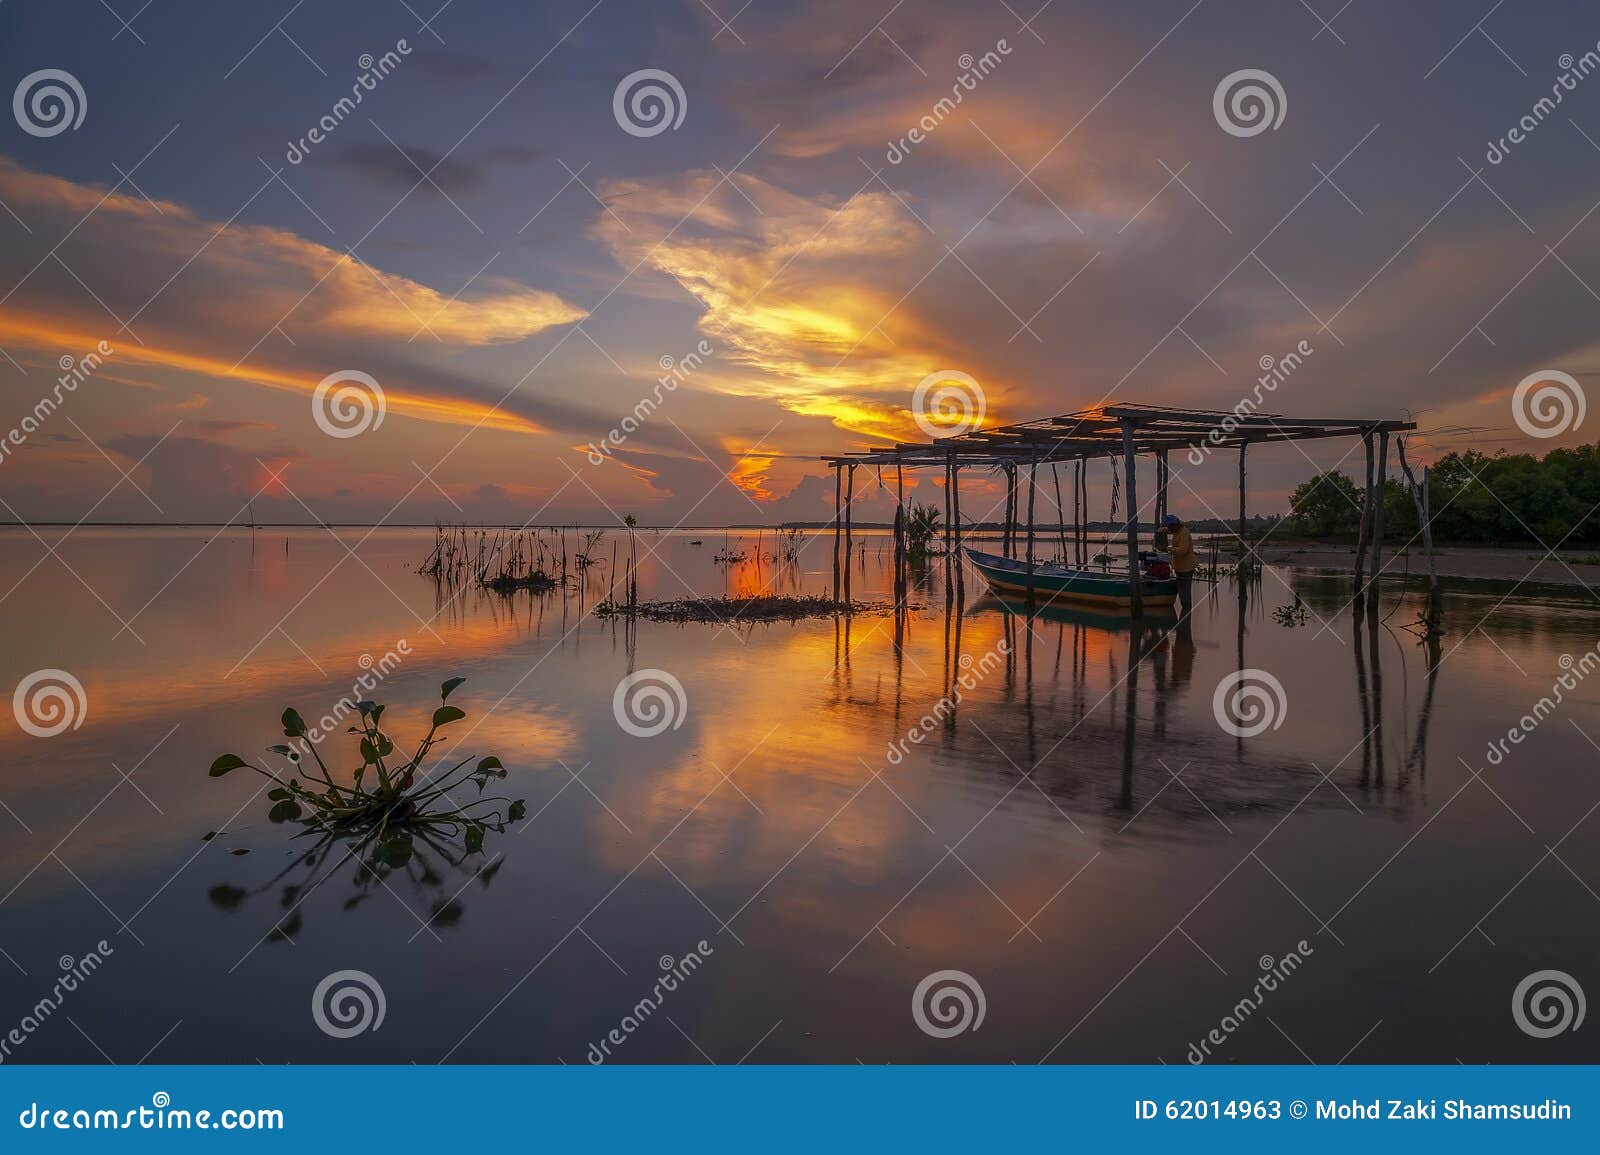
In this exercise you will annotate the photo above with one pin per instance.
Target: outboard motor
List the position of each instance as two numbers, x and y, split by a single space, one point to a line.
1155 565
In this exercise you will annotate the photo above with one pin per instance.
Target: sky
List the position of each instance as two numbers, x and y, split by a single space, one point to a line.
755 252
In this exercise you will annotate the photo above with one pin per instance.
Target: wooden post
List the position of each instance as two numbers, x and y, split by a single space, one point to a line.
902 557
1162 474
899 551
1033 486
1362 523
1244 548
1005 516
1420 499
849 501
955 507
838 516
1377 516
1435 602
1136 593
1061 513
1083 511
1008 531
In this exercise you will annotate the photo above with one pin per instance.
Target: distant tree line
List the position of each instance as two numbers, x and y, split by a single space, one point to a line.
1503 499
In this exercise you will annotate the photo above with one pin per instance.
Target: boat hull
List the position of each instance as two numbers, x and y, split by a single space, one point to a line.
1010 576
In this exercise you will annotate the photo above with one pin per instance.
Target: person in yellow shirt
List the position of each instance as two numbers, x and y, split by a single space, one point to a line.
1184 559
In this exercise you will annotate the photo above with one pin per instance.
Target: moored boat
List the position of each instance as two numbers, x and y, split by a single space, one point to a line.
1010 576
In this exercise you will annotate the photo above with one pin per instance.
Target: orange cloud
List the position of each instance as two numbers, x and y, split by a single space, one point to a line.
290 277
786 282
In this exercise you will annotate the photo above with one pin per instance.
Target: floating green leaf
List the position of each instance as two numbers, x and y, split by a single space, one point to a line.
293 725
225 763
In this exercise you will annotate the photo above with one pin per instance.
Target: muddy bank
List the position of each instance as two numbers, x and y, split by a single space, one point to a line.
1577 568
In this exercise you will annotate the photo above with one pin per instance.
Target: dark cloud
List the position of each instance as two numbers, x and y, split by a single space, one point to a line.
402 168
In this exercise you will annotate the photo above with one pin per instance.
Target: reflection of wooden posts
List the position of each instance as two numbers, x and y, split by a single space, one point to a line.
1135 592
1033 486
838 516
1376 659
1130 714
1361 527
1379 494
1361 694
1418 758
849 501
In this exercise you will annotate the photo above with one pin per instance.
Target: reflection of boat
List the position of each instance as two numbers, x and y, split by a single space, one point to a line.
1072 613
1055 582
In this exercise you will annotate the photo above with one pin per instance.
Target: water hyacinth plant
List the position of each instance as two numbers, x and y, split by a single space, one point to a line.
386 801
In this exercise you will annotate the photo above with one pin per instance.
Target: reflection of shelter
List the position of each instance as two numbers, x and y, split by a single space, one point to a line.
1112 431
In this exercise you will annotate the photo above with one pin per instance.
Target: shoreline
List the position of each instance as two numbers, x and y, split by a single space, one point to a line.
1576 569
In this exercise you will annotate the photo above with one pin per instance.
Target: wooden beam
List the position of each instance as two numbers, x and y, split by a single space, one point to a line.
1152 416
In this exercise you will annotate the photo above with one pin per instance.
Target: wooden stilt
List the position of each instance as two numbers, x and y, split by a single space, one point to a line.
1377 516
902 543
1245 556
849 501
899 552
1362 524
1061 513
838 517
1135 590
955 507
1033 470
1005 514
1162 474
1083 512
1419 498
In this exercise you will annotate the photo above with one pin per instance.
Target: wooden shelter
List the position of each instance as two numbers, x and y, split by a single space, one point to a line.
1110 431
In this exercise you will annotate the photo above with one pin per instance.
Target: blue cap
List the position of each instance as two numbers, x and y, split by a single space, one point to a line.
1172 519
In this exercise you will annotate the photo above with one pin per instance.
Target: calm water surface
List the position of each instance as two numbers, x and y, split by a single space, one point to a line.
1079 834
